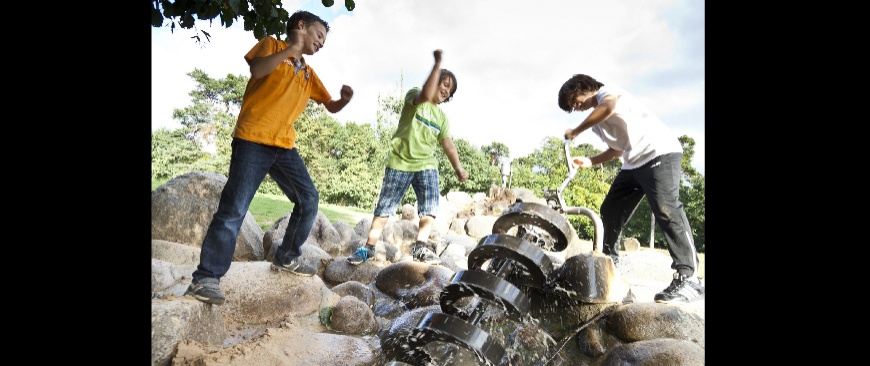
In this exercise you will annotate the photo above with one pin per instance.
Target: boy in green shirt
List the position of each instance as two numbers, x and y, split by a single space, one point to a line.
412 162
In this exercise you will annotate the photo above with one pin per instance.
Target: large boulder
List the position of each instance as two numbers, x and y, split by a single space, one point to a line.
182 209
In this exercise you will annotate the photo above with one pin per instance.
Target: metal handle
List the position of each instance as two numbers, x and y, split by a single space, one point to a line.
598 239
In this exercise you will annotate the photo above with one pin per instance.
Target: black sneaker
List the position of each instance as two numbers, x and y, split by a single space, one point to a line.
296 266
362 254
207 290
681 289
423 254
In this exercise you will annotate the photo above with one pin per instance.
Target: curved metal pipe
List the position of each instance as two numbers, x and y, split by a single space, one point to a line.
598 241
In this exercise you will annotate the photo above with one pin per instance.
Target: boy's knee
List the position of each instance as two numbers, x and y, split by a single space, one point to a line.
310 199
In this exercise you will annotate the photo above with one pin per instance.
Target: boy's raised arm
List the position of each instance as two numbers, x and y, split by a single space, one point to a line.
431 85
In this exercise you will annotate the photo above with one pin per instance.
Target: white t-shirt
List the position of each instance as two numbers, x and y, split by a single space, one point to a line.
635 130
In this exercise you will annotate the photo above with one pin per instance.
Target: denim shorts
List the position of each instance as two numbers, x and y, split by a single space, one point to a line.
395 184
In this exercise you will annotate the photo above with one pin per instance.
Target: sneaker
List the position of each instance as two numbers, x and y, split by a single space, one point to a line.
423 254
296 266
362 254
681 289
207 290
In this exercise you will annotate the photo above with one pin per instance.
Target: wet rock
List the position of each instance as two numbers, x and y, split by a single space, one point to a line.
646 321
356 289
353 316
656 352
339 271
416 284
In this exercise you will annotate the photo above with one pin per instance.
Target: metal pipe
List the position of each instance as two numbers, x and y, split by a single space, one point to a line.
599 227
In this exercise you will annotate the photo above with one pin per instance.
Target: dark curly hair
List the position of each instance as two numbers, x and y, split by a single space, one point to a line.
448 74
307 18
577 84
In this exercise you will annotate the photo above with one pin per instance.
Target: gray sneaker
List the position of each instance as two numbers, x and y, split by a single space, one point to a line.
207 290
296 266
423 254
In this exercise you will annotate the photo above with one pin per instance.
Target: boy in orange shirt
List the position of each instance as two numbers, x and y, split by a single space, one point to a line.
264 140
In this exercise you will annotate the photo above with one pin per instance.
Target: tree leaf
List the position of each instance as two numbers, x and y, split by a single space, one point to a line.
156 17
236 6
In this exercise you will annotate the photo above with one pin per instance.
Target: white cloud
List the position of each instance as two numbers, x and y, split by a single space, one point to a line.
510 58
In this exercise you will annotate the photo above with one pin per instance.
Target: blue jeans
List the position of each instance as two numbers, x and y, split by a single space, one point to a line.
248 167
659 181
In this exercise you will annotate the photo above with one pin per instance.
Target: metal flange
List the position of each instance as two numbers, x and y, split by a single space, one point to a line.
530 264
487 286
543 217
446 328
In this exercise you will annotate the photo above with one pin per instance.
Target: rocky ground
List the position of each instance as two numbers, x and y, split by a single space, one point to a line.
303 338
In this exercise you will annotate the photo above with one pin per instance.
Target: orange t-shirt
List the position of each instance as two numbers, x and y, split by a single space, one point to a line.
272 103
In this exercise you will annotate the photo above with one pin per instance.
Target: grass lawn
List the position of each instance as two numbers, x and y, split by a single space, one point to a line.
268 208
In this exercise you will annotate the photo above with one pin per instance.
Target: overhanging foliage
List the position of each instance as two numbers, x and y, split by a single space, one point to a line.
263 17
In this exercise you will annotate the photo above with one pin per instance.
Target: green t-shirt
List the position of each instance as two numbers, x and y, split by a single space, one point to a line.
421 129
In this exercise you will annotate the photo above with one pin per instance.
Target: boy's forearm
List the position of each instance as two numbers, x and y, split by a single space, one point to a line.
451 153
605 156
335 105
430 87
262 66
454 160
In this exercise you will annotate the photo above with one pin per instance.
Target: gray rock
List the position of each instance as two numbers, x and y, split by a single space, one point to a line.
356 289
662 321
325 234
389 295
656 352
161 275
174 252
478 227
414 283
353 316
183 319
409 212
457 225
345 233
339 271
182 209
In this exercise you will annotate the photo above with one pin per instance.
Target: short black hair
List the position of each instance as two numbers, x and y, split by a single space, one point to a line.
307 18
577 84
448 74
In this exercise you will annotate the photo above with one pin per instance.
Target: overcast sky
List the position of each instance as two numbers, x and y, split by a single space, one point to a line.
510 58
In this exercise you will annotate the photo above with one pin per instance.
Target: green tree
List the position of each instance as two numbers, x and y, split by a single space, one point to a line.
340 158
263 17
203 141
693 193
496 152
173 152
211 117
481 175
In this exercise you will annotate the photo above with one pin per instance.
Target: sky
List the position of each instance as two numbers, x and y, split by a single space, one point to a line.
510 58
